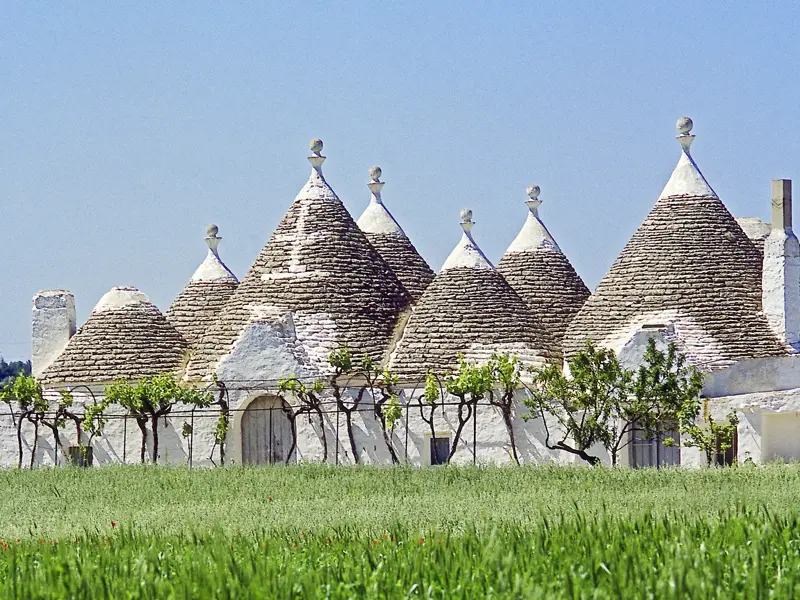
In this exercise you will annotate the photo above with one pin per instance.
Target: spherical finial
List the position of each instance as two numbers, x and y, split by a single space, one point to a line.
684 125
315 145
534 191
466 215
375 173
212 230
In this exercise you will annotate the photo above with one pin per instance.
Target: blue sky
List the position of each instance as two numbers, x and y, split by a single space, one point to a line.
125 128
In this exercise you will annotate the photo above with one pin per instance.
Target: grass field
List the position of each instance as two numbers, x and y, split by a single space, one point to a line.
325 532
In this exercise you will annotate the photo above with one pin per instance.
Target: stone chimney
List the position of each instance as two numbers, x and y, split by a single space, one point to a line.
53 324
780 286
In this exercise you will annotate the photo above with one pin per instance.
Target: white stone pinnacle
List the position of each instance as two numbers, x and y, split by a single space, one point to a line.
533 235
686 179
467 254
212 268
316 159
376 218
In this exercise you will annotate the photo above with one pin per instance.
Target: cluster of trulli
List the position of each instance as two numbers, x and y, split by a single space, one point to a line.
323 281
689 274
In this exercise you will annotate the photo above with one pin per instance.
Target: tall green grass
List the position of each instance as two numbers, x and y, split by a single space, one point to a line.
323 532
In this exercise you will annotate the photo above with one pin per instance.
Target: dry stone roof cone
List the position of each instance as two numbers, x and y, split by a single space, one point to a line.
688 265
319 266
389 239
469 309
126 336
541 273
196 308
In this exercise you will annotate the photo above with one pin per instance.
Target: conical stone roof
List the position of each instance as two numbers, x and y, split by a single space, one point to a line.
541 273
389 239
196 308
689 265
469 309
319 266
126 336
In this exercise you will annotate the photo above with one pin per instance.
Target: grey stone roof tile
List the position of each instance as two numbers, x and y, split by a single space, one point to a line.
129 340
691 264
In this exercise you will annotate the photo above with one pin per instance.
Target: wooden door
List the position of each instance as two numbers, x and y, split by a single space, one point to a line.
266 432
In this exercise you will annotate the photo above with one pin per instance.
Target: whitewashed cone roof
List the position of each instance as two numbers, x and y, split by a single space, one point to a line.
126 336
320 266
385 234
469 309
541 273
689 265
196 308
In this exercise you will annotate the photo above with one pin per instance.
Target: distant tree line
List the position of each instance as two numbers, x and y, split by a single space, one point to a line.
9 370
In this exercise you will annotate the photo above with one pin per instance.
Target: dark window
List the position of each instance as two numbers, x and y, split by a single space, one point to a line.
648 452
727 458
440 450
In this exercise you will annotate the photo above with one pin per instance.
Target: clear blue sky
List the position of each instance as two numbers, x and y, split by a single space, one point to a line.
125 128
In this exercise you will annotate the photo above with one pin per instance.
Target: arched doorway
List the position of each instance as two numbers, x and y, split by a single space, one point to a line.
266 432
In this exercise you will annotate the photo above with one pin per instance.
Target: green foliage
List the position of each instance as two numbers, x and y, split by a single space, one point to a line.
94 416
157 394
341 359
432 391
392 412
297 387
8 371
315 531
602 403
26 392
152 398
710 436
470 380
505 371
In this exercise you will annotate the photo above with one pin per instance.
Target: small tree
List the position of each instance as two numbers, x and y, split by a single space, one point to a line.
310 402
223 421
430 401
388 409
341 360
584 404
506 373
708 435
151 399
470 384
603 403
26 392
29 397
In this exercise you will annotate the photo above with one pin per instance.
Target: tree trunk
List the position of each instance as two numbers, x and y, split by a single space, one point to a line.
35 441
19 440
387 435
141 421
461 423
322 429
154 425
505 410
592 460
292 416
349 421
